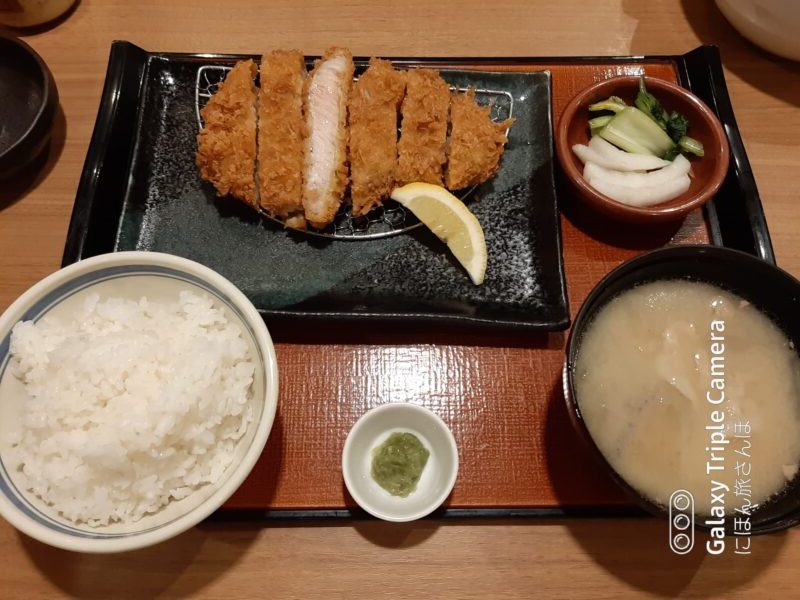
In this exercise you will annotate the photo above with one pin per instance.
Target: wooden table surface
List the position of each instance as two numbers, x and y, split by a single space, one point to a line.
475 559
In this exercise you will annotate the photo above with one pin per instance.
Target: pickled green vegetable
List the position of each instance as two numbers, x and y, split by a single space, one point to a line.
397 464
646 128
615 104
688 144
596 124
636 132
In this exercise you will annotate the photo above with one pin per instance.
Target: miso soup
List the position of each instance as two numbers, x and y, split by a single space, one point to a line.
684 385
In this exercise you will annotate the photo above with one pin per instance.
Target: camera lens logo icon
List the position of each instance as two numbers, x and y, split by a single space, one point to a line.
681 522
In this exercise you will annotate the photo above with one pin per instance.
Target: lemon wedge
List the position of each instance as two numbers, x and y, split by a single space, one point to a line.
451 221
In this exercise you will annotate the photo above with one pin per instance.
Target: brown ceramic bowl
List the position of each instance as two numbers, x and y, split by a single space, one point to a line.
709 171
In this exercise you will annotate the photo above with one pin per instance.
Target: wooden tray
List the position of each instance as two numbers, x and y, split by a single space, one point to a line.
500 393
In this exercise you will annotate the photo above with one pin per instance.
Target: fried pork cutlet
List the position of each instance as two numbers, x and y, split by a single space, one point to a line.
327 89
226 146
476 142
421 149
374 102
280 136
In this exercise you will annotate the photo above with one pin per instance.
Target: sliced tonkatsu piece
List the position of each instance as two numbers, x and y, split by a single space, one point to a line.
476 142
226 146
374 103
281 147
327 89
421 149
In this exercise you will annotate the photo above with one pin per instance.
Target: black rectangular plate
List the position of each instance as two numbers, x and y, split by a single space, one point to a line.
160 204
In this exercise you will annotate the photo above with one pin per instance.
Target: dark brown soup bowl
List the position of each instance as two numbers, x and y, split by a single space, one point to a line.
772 290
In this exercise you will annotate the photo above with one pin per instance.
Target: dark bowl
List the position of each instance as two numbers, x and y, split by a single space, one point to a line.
709 171
767 287
28 104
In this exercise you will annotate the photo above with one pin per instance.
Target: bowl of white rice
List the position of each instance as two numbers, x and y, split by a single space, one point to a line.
137 391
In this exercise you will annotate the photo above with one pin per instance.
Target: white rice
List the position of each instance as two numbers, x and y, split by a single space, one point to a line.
133 404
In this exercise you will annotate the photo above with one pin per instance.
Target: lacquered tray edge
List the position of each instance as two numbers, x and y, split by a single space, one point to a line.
250 515
106 165
701 72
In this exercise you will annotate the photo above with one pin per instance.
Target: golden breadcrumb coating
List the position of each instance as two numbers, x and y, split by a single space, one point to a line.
286 148
326 93
280 135
476 142
226 146
421 149
374 102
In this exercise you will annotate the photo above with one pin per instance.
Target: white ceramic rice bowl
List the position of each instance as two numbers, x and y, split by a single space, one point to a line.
133 275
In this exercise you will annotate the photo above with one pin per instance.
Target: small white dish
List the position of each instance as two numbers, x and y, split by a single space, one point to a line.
437 479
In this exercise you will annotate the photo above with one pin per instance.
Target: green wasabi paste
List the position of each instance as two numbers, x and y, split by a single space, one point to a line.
397 463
